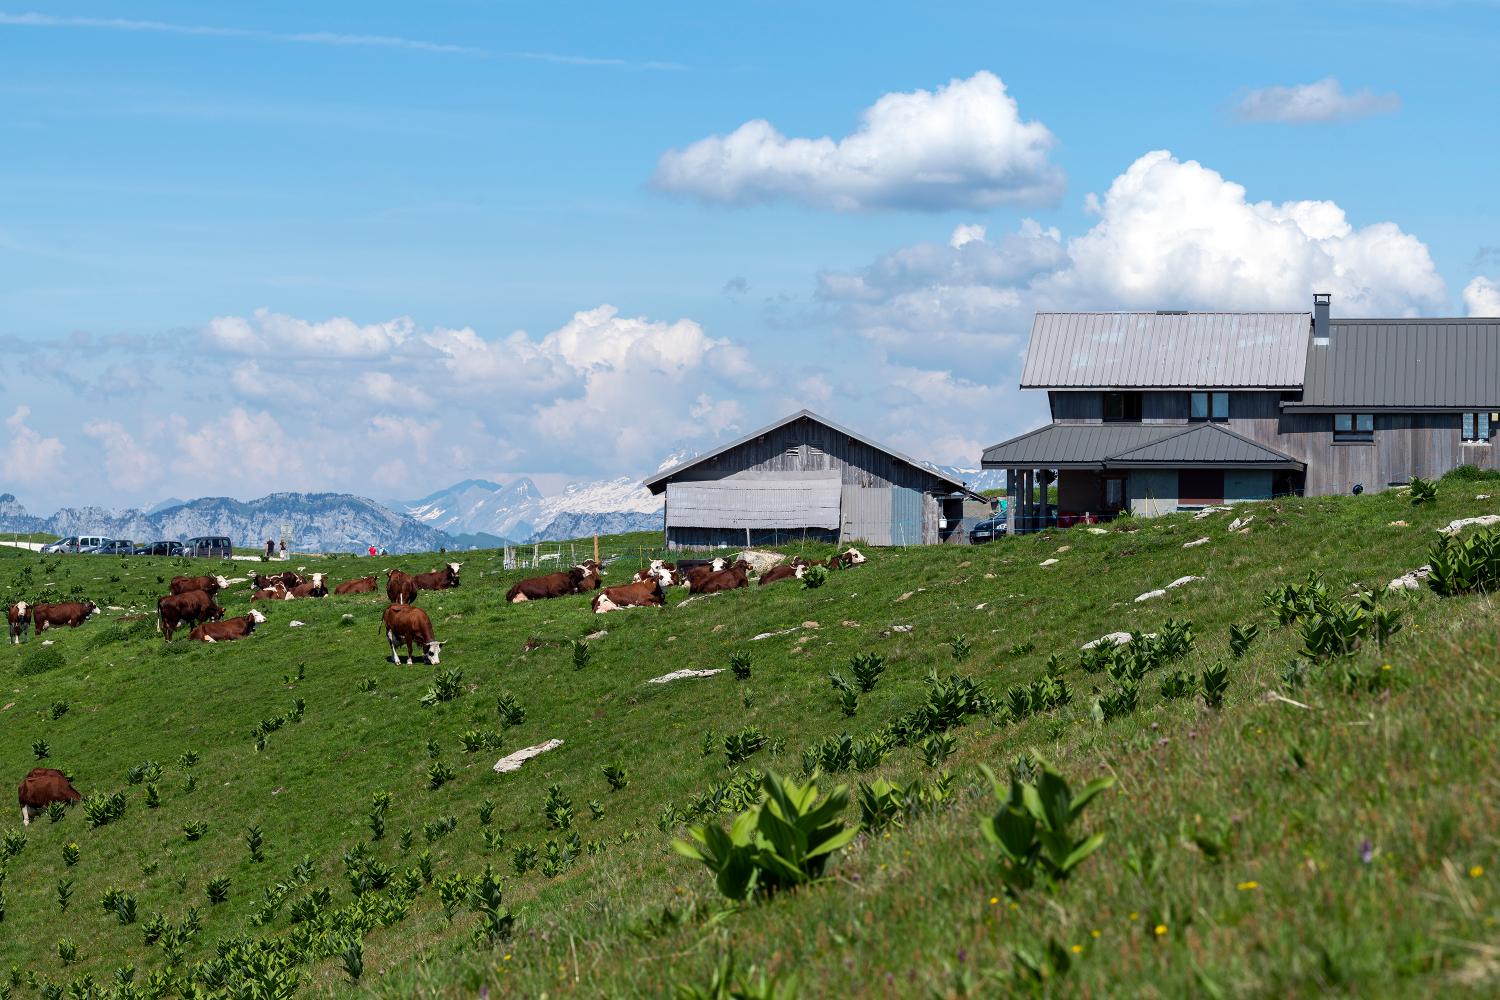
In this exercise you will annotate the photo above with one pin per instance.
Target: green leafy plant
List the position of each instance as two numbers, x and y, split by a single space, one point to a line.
616 776
558 809
67 951
447 686
376 817
1384 623
101 810
194 829
581 653
1423 491
726 984
785 840
255 844
882 803
510 710
438 775
1035 827
41 749
1240 638
739 747
849 702
496 922
1214 681
436 829
959 648
870 752
523 859
58 710
217 889
70 855
831 755
867 668
56 811
814 577
353 958
434 749
368 685
596 809
739 665
64 893
486 812
1119 702
1177 684
937 748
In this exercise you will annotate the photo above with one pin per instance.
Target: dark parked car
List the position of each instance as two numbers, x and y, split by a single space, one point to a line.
159 549
987 530
208 547
117 547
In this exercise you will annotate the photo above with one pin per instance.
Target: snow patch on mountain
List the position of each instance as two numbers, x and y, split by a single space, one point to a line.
518 510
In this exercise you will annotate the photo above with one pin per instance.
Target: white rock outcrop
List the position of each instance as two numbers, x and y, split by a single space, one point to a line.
1241 522
513 762
1484 520
1410 581
1114 639
678 675
1048 562
1195 543
1183 581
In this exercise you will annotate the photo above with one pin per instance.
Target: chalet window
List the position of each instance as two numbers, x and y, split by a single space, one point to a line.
1208 406
1476 426
1122 407
1200 487
1354 427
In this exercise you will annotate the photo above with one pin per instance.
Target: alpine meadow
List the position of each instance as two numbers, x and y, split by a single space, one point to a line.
902 778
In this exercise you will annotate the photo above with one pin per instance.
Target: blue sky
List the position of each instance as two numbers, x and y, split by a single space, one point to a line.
278 246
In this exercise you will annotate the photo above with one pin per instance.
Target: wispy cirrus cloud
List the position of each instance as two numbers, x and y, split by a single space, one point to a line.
34 19
1313 103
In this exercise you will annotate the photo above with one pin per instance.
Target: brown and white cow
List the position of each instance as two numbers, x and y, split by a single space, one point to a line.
70 613
733 578
593 575
275 592
229 629
18 618
409 626
539 588
646 594
849 557
400 588
41 787
659 571
195 606
212 584
786 571
364 585
698 577
314 587
438 579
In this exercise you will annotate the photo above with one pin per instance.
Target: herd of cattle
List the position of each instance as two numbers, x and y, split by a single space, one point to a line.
193 600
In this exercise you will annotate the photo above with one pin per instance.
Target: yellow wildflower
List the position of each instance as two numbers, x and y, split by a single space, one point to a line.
1247 885
1134 915
994 900
1078 949
1161 929
1385 666
1093 933
1476 871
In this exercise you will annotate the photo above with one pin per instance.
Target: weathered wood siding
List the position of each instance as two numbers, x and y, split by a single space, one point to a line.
884 501
1405 445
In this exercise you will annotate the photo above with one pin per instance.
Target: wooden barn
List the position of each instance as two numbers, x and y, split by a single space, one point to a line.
807 477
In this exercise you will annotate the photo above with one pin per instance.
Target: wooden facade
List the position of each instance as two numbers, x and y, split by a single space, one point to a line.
884 499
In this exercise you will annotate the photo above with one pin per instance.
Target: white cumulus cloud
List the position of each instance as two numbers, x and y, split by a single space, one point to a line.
28 457
1313 103
275 335
1482 297
126 463
964 145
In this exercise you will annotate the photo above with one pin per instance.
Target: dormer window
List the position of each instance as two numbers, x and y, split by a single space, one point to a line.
1122 407
1208 406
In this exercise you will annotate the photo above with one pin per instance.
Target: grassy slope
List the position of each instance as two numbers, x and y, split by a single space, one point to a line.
1411 772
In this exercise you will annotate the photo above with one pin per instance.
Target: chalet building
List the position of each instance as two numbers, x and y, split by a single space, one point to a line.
807 477
1165 411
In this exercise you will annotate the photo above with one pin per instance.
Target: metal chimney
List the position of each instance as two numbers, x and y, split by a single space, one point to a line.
1320 318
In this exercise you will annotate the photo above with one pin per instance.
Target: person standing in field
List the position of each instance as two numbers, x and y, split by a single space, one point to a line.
270 548
283 548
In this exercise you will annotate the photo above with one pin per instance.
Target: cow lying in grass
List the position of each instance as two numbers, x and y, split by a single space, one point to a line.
364 585
646 594
559 584
228 630
438 579
725 577
786 571
314 587
410 626
42 787
212 584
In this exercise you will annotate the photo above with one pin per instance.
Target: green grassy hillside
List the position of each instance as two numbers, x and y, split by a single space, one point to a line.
1331 830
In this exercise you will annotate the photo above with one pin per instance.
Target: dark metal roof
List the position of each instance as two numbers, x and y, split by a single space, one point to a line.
658 482
1166 350
1406 364
1125 446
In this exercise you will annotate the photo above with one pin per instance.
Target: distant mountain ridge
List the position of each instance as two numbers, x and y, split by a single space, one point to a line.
520 512
315 522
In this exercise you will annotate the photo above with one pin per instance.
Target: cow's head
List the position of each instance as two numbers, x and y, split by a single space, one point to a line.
853 557
453 574
256 618
718 564
657 564
93 608
317 581
433 650
215 613
222 582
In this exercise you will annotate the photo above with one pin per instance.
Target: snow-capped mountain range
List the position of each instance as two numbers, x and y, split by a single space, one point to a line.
518 510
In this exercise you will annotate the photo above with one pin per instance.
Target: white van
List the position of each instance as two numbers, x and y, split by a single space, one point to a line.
75 542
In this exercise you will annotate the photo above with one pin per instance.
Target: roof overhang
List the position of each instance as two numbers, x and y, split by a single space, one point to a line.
1195 387
1149 446
1366 408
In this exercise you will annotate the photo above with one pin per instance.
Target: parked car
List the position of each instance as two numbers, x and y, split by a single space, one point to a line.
116 547
76 543
163 548
208 547
987 530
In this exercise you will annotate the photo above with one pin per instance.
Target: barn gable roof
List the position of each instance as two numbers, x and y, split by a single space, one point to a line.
658 482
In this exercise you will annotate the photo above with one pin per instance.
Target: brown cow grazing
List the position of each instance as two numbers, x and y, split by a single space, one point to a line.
71 614
195 606
212 584
315 587
400 588
733 578
783 572
647 594
409 626
438 579
364 585
18 617
539 588
42 787
229 629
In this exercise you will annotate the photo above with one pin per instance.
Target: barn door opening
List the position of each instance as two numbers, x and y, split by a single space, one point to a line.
1200 487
